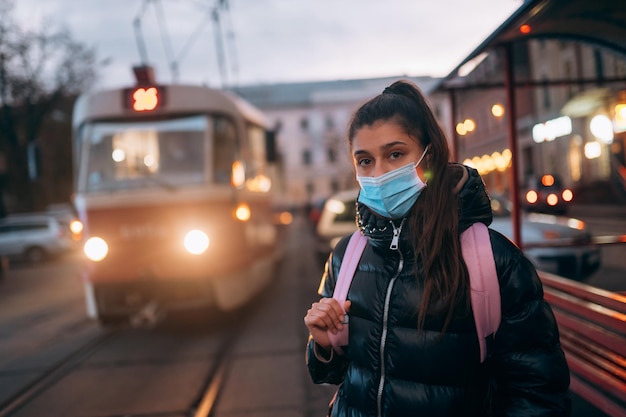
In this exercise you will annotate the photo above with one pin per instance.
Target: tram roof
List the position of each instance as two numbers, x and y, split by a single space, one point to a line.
600 22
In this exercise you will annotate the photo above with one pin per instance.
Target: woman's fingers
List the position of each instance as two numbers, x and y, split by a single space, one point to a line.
325 314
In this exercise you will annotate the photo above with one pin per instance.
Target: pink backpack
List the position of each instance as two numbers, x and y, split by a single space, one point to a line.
485 289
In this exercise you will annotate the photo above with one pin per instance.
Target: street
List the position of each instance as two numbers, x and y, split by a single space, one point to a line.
162 370
607 221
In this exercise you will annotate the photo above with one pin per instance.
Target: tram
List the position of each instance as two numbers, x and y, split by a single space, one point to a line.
173 184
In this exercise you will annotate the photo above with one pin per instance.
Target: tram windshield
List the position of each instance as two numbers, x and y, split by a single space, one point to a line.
161 153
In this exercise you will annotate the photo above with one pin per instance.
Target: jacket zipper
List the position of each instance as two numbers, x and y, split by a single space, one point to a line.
383 339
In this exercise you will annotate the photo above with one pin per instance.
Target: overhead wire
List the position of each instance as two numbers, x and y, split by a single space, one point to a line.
220 25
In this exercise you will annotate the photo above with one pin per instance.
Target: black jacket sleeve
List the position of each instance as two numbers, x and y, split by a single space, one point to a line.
527 363
327 370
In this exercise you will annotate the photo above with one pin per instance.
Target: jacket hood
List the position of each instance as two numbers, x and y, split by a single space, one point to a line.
474 202
474 206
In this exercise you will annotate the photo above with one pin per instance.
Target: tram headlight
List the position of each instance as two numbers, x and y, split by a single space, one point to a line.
196 242
96 249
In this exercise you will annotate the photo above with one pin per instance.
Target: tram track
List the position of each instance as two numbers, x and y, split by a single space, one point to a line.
206 403
54 374
203 403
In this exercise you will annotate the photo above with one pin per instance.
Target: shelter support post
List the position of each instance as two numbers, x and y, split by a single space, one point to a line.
453 134
509 83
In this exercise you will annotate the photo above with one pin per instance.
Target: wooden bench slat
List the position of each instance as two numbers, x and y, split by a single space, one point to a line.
597 398
598 334
603 380
596 295
595 313
602 359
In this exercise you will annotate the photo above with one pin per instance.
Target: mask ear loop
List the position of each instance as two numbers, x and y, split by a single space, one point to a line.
423 155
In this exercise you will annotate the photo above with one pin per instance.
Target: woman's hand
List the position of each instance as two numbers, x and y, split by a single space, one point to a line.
325 315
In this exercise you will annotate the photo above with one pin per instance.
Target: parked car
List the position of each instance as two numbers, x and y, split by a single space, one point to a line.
337 219
577 260
34 238
547 194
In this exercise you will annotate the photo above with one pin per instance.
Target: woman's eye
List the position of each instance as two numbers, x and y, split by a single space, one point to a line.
364 162
395 155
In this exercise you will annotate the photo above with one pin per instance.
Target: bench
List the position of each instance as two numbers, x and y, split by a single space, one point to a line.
592 325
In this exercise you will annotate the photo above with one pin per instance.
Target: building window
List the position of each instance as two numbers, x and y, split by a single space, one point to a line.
310 189
547 99
330 123
599 64
304 124
620 67
332 156
437 112
306 157
568 76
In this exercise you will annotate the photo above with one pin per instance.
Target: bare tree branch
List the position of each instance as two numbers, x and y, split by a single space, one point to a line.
38 69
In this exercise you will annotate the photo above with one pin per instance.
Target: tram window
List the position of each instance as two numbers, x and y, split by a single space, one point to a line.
100 166
224 150
126 155
181 152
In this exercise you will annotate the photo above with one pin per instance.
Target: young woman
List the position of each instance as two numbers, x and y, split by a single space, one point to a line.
413 348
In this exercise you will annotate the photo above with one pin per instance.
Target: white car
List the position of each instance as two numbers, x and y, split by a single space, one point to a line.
575 258
34 237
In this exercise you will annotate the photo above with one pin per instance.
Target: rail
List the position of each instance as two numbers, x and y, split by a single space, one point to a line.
589 241
592 324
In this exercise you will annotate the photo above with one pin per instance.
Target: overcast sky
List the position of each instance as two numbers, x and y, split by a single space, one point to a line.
269 41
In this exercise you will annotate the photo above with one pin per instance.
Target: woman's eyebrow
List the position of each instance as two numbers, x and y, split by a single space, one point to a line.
382 147
392 144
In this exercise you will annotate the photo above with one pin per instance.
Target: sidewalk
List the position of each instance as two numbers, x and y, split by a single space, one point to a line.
268 377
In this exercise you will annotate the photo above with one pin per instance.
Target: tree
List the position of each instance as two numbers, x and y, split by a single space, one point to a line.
38 70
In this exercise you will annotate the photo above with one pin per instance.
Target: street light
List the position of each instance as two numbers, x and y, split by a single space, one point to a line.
593 150
602 128
465 127
497 110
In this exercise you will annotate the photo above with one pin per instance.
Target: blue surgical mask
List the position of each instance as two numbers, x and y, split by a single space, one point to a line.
392 194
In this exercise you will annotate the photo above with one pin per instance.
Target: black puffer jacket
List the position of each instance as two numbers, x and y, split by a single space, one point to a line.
390 369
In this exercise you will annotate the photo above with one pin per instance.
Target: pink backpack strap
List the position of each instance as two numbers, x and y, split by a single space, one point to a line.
485 288
350 261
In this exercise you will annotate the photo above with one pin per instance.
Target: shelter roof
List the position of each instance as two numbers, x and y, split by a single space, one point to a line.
600 22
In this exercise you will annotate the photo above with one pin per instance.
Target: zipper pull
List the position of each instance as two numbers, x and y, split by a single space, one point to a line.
396 235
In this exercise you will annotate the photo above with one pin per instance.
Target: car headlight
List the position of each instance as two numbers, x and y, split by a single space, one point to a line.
96 249
336 206
196 242
552 199
532 197
576 224
567 195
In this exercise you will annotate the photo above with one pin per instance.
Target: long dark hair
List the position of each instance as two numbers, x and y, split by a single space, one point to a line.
434 218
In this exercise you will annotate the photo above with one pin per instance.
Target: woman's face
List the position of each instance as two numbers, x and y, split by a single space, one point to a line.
383 147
